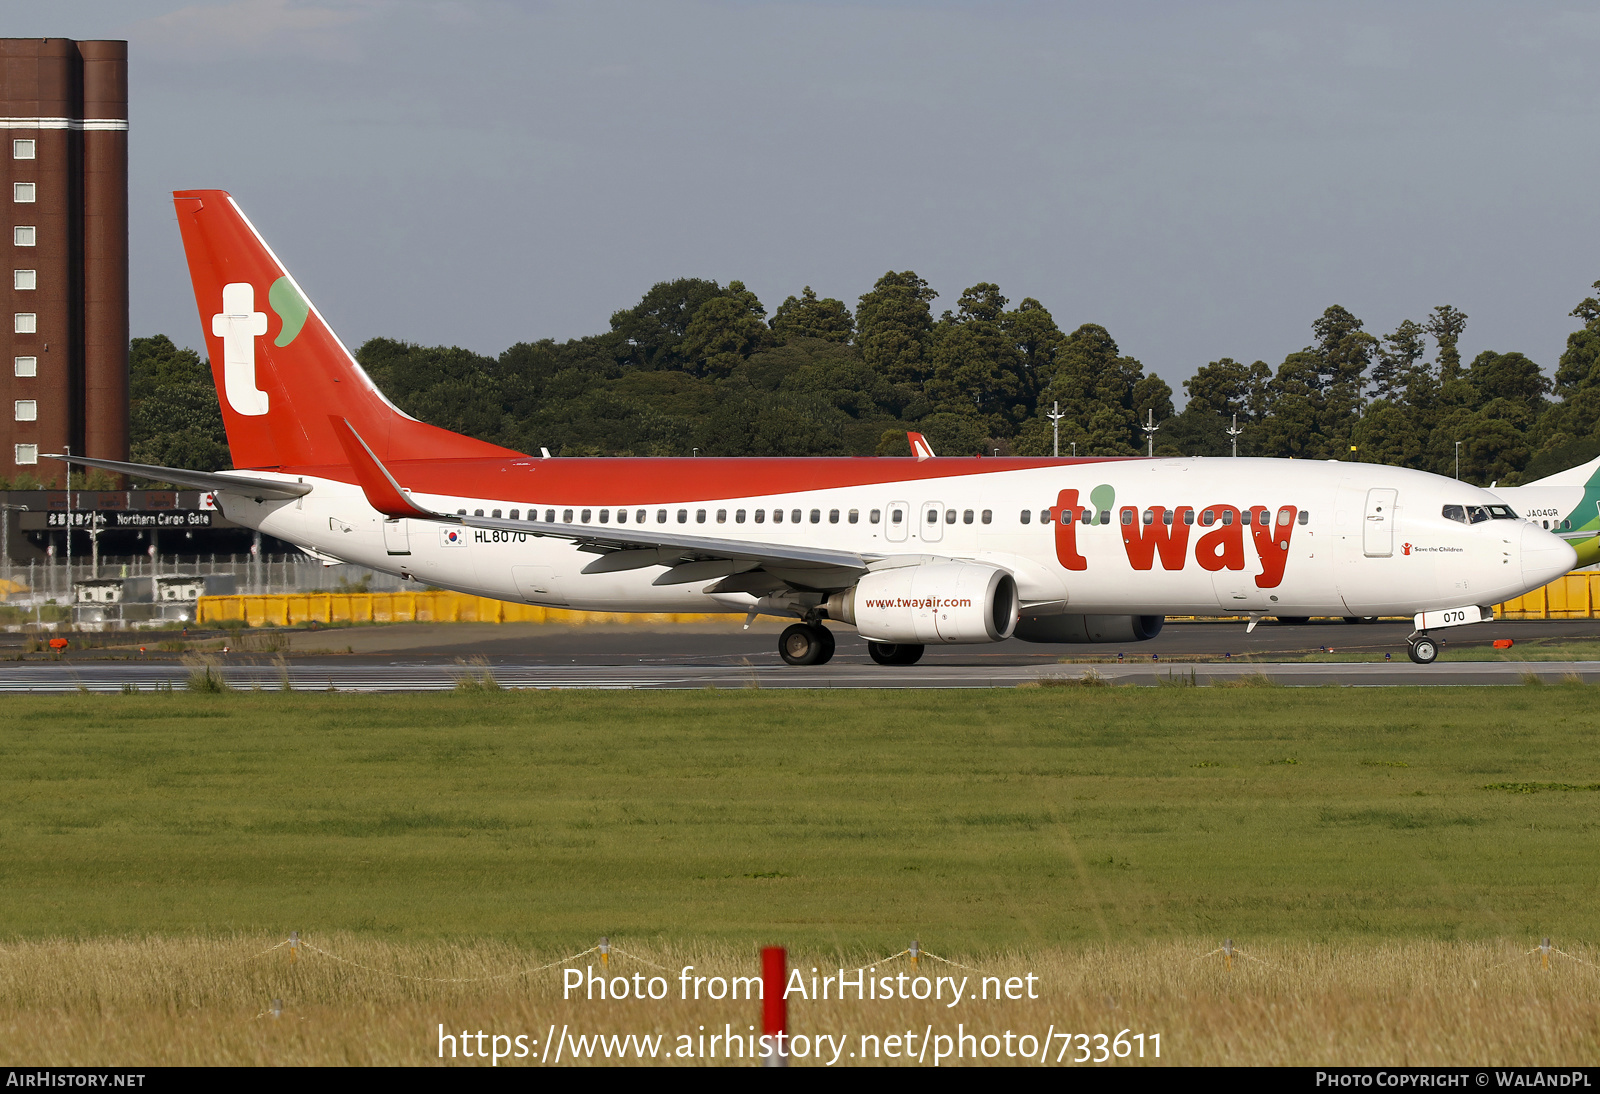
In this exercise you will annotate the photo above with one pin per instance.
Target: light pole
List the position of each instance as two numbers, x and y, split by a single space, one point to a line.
1458 459
1055 417
5 538
1150 428
1233 434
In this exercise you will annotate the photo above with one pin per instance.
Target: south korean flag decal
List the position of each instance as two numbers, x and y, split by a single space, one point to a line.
452 537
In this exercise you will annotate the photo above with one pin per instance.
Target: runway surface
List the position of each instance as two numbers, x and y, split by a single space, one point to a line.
434 657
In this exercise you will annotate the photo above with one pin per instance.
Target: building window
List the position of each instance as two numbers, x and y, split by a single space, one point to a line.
22 192
25 366
24 149
27 410
27 453
25 322
24 279
24 235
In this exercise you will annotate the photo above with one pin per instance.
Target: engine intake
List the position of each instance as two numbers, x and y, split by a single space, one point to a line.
939 603
1090 628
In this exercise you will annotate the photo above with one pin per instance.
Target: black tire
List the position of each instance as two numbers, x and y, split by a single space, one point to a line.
799 644
825 636
1293 620
1424 650
891 653
882 652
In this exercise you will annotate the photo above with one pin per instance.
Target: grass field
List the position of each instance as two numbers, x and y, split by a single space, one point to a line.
1427 834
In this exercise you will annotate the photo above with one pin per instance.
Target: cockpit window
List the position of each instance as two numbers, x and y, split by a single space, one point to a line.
1455 512
1477 513
1502 512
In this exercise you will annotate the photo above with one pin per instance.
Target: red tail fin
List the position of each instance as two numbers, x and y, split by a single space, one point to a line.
282 377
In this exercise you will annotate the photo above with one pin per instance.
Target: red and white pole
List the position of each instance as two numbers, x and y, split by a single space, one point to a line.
774 1008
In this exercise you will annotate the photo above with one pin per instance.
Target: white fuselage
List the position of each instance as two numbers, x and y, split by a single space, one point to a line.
1348 539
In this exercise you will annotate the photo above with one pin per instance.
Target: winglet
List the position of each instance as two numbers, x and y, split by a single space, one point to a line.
920 448
383 493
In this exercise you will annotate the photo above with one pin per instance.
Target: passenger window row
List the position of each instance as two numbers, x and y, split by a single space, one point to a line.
1208 517
740 516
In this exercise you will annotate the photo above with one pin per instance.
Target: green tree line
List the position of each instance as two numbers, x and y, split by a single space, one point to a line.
696 365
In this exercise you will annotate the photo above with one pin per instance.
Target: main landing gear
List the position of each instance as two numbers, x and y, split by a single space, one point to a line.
892 653
1422 649
806 644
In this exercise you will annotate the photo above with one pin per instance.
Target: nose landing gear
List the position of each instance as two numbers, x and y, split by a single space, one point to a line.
1422 649
806 644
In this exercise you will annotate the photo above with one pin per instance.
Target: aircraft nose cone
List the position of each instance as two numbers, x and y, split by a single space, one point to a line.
1545 557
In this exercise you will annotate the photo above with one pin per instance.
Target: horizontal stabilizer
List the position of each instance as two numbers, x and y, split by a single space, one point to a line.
232 482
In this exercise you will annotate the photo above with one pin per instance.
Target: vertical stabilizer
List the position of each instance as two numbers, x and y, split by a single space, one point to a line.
282 376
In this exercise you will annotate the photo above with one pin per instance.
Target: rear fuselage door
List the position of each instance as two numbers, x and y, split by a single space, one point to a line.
932 521
896 519
1377 525
397 537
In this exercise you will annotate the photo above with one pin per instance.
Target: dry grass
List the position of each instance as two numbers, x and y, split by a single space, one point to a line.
163 1001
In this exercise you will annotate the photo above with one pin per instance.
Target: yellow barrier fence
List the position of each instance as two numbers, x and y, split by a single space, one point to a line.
1571 597
289 609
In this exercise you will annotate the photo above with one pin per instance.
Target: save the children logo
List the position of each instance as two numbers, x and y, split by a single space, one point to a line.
1405 548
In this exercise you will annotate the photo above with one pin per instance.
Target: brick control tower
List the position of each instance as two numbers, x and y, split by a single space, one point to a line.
64 112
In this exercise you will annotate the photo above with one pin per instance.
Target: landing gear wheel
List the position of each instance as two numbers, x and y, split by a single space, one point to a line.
1423 650
805 644
890 653
826 637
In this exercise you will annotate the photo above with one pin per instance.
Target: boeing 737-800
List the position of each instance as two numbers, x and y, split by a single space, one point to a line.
908 551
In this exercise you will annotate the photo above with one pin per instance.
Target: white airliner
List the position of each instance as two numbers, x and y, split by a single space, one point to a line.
908 551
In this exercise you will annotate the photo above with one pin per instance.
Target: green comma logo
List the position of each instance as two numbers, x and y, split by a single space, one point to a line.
291 307
1102 497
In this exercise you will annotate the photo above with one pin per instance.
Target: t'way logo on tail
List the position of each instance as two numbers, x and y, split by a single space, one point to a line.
239 325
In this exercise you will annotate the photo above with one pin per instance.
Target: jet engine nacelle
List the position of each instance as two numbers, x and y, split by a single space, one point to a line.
1090 628
939 603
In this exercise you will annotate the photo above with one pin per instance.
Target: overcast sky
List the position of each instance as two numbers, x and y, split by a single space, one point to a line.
1202 179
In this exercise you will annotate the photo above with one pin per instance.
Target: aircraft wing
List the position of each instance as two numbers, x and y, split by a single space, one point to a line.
689 558
233 481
